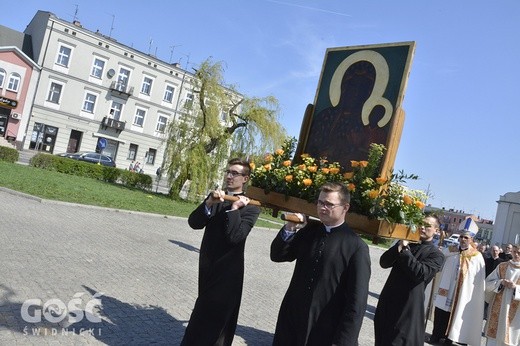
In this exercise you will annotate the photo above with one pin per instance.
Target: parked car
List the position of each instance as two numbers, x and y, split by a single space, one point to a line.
452 240
91 157
65 154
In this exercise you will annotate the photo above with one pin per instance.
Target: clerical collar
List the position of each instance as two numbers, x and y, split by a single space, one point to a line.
329 228
229 193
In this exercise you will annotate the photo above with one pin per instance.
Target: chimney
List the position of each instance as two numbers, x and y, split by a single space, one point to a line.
77 23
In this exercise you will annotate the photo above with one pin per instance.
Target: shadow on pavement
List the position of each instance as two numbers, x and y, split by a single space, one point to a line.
129 324
254 336
185 246
119 323
372 294
370 312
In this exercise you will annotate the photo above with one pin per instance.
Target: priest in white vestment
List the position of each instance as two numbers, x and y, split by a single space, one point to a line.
503 323
459 303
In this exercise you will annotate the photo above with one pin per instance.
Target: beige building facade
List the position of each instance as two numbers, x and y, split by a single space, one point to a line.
96 94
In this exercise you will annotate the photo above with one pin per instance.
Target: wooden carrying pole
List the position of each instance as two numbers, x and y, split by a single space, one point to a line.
384 230
234 199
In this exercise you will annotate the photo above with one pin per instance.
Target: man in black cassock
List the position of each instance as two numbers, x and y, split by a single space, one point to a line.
400 316
221 260
327 297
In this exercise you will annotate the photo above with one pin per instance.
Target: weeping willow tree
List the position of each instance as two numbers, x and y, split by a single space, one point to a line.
219 124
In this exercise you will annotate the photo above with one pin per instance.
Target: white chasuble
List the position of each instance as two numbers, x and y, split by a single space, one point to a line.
461 292
503 323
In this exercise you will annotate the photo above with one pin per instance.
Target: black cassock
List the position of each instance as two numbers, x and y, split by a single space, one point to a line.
221 272
400 316
327 297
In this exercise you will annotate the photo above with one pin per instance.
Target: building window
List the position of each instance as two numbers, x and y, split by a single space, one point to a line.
150 158
132 151
188 103
2 78
139 117
116 110
63 56
123 78
168 93
14 82
161 124
97 68
89 103
55 93
146 88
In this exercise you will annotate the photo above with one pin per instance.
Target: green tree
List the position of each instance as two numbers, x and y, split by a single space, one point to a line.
219 124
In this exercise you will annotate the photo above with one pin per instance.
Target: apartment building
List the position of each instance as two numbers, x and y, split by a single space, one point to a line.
96 94
451 219
18 78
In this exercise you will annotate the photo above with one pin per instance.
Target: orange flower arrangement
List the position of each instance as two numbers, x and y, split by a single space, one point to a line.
381 197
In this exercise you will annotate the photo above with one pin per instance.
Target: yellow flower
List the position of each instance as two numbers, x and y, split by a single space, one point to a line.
304 156
334 170
286 163
267 166
268 158
348 175
307 182
354 163
325 170
419 204
252 166
289 178
407 200
351 187
381 180
373 194
312 169
301 167
279 152
363 164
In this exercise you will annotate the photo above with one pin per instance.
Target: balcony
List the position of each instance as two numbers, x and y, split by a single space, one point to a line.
121 90
112 123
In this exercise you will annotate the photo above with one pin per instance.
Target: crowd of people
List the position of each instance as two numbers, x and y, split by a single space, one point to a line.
327 296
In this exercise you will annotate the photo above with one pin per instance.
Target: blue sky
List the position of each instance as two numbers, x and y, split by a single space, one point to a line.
462 121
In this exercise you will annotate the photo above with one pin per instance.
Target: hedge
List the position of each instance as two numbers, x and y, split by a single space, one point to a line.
90 170
9 154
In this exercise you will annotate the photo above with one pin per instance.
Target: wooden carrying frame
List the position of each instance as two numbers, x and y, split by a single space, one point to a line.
359 223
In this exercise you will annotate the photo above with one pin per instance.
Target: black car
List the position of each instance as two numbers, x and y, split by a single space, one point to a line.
92 158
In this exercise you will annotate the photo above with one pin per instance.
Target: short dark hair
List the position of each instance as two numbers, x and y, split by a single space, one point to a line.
344 194
436 218
241 162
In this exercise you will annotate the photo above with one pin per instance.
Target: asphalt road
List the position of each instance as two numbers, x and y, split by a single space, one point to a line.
141 267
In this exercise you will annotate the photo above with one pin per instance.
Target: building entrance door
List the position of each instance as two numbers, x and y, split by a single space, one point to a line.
74 141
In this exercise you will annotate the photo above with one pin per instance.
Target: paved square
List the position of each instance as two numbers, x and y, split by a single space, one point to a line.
142 267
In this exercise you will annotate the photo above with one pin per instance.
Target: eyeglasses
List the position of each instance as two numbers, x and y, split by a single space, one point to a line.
327 205
234 174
